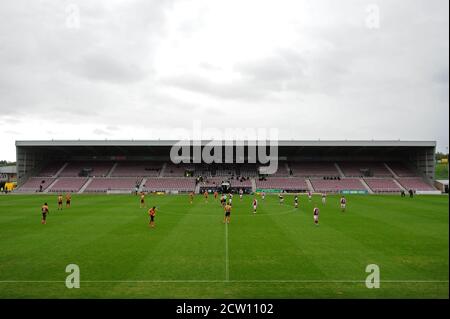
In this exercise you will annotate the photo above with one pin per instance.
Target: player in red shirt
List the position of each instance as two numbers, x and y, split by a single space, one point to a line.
255 205
152 213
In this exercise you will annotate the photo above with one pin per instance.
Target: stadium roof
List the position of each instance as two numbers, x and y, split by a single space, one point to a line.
288 143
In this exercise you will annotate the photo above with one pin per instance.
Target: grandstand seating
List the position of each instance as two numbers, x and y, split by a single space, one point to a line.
50 169
177 170
169 184
68 184
107 184
244 183
281 171
73 169
417 184
382 185
312 169
401 169
213 181
126 175
336 185
283 183
32 184
137 169
355 169
247 170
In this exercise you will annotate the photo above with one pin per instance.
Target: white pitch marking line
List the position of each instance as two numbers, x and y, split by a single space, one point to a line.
227 271
225 281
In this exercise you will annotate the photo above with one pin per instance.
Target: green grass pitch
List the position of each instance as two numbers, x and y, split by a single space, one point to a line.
277 253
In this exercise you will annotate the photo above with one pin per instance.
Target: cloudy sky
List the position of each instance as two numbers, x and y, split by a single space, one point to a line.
348 69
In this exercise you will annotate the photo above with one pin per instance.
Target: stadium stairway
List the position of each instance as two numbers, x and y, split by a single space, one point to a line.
61 169
141 186
85 185
197 189
399 185
339 169
310 187
253 185
112 169
163 170
366 186
392 172
51 185
288 170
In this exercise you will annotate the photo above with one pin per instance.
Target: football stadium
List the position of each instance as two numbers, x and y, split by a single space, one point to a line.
382 230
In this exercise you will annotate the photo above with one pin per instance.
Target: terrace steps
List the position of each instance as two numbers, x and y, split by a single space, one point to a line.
399 185
254 184
85 185
141 185
111 171
339 169
51 185
391 171
163 170
61 169
366 186
310 186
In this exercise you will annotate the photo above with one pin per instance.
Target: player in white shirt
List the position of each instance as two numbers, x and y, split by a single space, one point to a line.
263 195
281 198
241 193
324 198
296 201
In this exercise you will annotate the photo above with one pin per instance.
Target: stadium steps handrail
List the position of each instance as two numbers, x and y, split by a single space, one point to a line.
113 168
61 169
399 184
197 189
288 170
339 169
142 184
366 186
51 185
85 185
163 170
391 171
310 186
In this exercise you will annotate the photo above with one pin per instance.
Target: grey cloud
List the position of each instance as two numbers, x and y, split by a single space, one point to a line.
387 81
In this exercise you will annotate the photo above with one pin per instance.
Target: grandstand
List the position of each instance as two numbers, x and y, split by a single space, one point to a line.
316 166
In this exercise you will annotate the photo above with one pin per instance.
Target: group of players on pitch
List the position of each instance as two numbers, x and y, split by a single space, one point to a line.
45 210
226 201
